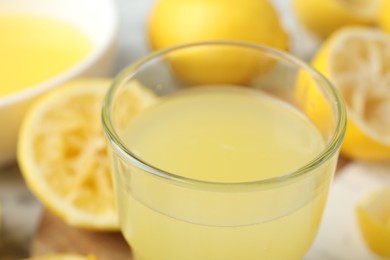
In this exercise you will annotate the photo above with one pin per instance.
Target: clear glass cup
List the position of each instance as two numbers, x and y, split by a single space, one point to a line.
269 207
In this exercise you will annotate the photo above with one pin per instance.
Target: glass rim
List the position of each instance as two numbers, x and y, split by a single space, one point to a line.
326 153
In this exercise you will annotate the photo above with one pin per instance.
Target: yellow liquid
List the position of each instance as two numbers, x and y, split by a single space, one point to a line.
221 135
34 49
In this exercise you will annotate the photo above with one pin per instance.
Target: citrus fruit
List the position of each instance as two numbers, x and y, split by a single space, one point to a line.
218 63
373 214
62 152
357 62
323 17
63 257
173 22
384 17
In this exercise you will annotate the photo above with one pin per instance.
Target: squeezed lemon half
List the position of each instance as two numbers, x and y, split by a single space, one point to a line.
62 152
357 62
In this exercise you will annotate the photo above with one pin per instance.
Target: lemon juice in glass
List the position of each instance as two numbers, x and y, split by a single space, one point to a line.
233 160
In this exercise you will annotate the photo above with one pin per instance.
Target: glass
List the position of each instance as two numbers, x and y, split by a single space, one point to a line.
175 198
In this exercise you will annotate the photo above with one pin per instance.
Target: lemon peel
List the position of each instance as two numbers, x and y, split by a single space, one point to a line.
373 214
383 17
323 17
173 22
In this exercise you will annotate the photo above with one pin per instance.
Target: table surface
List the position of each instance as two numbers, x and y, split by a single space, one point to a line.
338 238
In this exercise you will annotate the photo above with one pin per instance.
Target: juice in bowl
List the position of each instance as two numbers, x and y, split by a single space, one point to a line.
223 166
43 45
36 48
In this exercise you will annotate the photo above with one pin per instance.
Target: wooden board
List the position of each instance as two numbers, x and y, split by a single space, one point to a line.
54 236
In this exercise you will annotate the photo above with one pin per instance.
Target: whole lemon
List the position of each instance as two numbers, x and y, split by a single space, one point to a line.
180 21
173 22
323 17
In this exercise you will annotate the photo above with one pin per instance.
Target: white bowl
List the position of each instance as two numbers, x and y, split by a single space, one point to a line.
98 19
